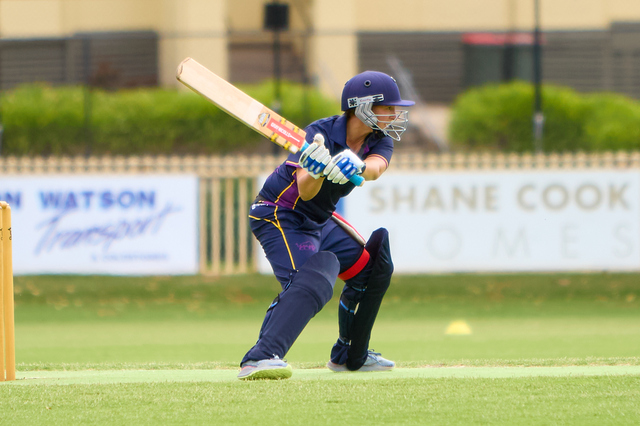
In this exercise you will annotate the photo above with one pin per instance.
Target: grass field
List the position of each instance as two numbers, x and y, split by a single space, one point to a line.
544 349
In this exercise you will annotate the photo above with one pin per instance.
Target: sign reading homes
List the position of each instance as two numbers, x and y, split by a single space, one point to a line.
103 224
505 221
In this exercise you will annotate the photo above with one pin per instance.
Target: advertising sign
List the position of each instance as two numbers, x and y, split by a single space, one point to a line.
103 224
504 220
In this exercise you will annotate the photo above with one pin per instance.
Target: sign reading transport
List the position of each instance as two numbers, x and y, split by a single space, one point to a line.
138 225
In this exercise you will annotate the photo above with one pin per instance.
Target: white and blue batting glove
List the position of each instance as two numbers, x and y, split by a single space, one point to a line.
315 158
343 166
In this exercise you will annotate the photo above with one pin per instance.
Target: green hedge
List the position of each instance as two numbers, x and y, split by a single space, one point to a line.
499 118
43 120
614 123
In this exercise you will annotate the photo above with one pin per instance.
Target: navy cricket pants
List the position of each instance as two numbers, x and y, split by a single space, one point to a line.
289 238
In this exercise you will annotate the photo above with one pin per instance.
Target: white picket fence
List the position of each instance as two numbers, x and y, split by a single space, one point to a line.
227 185
251 166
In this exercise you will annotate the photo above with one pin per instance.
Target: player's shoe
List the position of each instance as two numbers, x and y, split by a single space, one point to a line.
273 369
374 362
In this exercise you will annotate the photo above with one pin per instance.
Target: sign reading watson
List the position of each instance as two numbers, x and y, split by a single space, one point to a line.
505 221
103 224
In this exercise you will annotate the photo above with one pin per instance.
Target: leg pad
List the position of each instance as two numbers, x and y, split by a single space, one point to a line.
288 315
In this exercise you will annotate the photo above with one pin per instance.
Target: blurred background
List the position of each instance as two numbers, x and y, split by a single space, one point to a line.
537 86
512 202
436 50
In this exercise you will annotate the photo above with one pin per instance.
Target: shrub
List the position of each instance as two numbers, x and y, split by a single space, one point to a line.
38 119
492 117
300 104
43 120
613 122
500 117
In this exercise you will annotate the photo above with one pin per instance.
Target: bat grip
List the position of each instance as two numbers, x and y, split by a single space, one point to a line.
357 180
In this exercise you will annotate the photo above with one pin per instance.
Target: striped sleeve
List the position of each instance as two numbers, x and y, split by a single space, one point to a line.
382 149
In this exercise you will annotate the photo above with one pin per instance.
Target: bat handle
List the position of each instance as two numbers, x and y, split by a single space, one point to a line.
357 180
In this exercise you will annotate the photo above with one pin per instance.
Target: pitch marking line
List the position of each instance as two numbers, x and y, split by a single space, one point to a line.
154 376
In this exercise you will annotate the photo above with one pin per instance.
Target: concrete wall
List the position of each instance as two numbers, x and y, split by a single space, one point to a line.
495 15
186 27
193 28
55 18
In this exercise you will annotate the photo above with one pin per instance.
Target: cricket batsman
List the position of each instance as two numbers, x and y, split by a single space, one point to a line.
293 219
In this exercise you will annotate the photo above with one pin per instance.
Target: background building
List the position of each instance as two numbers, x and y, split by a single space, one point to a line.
441 47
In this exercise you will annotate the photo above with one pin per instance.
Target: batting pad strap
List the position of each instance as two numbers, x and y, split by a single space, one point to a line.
356 267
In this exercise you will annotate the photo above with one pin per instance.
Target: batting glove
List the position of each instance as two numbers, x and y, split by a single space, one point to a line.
315 158
343 166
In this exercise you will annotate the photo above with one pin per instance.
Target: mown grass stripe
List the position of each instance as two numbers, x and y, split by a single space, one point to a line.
149 376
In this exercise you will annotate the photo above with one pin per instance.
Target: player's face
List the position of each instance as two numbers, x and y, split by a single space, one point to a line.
386 114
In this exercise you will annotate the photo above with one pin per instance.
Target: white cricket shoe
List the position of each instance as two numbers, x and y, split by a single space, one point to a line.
374 362
273 369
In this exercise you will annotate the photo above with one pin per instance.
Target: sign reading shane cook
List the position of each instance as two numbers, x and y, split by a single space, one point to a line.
505 221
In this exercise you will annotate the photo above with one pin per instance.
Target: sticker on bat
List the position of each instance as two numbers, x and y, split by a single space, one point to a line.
263 118
285 132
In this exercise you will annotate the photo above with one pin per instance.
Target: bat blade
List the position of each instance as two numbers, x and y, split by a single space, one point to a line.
240 105
244 108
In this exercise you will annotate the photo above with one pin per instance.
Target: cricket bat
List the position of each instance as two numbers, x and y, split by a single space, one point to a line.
244 108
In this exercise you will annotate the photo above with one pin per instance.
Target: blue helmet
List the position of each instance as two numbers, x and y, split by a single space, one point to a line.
371 88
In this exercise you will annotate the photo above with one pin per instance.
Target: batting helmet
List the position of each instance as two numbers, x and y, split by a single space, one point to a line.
375 88
372 86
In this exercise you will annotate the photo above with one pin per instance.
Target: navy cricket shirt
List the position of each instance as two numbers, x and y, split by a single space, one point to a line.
281 187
